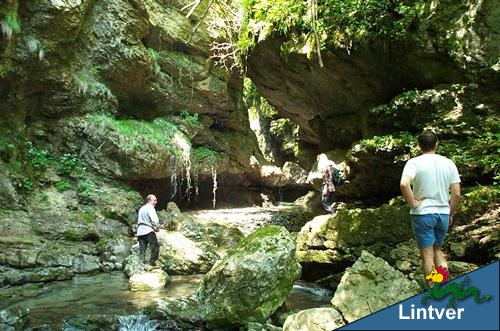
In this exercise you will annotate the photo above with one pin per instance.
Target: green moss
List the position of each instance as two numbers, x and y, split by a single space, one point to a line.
146 137
73 235
205 158
388 223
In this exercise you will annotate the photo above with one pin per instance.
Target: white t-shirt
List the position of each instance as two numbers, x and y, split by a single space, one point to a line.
432 175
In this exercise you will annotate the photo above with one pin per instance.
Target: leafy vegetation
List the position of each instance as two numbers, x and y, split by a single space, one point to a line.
40 158
10 24
63 185
286 131
6 149
481 152
69 163
87 84
258 106
85 189
192 120
312 26
404 142
476 201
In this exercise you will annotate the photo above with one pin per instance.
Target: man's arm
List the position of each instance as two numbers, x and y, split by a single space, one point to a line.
405 186
454 199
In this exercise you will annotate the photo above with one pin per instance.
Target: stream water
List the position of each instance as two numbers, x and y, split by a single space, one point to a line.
108 293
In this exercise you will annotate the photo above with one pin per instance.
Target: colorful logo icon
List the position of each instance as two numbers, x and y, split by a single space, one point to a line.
439 275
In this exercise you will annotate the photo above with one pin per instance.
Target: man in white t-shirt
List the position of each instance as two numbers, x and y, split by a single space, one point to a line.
147 224
426 183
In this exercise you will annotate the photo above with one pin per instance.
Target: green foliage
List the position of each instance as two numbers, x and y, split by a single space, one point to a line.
205 158
101 243
73 235
88 85
10 24
477 201
262 17
404 142
24 185
257 106
403 100
63 185
155 56
40 158
342 23
287 132
481 151
6 150
191 120
68 163
85 189
359 21
88 218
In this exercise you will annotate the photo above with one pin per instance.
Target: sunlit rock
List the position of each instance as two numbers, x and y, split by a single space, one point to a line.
148 280
316 319
369 286
182 256
252 281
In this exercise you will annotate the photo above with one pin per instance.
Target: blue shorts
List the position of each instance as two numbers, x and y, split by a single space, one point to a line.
430 229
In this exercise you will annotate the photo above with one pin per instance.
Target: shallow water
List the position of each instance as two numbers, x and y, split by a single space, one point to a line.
108 293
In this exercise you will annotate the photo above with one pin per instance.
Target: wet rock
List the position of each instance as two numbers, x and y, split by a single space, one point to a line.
252 281
147 281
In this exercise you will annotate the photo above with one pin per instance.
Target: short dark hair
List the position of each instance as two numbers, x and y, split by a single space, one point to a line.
427 141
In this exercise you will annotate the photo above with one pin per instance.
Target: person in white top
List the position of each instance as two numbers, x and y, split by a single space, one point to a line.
147 226
326 168
426 183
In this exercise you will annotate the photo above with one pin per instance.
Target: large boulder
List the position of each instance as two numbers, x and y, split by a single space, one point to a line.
252 281
370 285
191 249
329 243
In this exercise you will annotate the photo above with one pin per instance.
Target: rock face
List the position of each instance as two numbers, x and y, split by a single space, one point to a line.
134 61
252 281
327 244
331 103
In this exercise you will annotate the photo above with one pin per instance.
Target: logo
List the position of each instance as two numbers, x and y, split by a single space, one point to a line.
439 276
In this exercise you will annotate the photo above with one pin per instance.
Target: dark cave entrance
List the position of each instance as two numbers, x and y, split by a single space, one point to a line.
201 195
